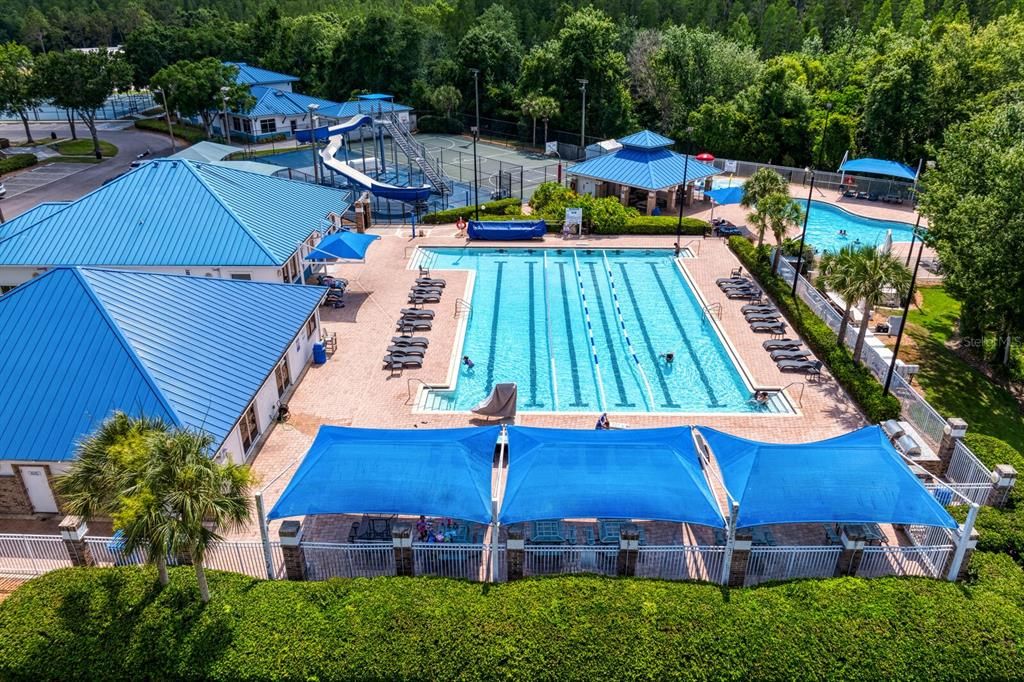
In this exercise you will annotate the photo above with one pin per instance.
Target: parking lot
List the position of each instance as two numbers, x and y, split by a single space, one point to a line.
40 176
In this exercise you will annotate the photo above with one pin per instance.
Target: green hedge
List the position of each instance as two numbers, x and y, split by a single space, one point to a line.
664 225
503 208
184 131
9 164
857 380
114 624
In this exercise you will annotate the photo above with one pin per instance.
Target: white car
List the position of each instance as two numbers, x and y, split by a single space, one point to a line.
3 190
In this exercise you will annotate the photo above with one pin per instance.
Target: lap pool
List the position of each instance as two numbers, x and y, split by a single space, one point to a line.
582 330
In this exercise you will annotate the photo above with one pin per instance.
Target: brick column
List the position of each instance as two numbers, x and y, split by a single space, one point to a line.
629 547
72 531
652 201
954 432
740 558
850 557
290 535
401 538
515 553
1006 478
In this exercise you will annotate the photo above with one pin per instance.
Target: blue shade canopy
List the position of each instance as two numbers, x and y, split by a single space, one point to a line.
890 169
726 195
439 472
634 474
854 478
345 245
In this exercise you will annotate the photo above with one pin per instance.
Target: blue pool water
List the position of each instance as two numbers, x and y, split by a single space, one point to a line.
528 325
826 221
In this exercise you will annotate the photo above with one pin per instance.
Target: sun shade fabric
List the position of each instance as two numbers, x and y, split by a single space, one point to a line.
507 230
346 245
891 169
854 478
437 472
632 474
726 195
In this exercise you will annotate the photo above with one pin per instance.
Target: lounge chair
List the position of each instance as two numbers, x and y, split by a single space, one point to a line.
735 272
424 291
401 361
420 299
782 344
414 325
736 285
413 351
417 313
758 308
790 354
850 194
421 341
729 230
804 366
430 282
735 279
746 294
763 317
775 327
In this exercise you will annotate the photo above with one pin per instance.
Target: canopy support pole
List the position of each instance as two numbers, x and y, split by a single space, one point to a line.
496 504
730 542
261 519
961 545
494 540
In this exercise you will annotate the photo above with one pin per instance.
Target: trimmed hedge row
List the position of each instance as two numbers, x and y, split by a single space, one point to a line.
857 380
664 225
510 209
117 624
184 131
999 530
9 164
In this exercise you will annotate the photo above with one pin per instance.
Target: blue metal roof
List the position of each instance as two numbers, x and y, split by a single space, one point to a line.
274 102
892 169
376 96
650 169
646 139
353 108
179 213
37 212
254 75
82 343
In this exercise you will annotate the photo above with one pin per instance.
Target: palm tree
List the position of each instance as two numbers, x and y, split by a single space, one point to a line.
873 274
192 497
445 97
763 183
535 107
836 274
780 213
107 466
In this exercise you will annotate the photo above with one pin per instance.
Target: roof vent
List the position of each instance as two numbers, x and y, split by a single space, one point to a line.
278 93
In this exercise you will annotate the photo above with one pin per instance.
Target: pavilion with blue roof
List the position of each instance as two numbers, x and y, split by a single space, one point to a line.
201 353
645 173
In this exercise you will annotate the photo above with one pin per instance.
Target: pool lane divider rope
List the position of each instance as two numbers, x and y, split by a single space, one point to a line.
613 357
625 332
547 326
571 342
590 330
494 328
531 292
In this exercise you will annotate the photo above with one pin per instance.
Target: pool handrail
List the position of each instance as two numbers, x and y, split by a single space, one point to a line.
624 333
590 330
551 346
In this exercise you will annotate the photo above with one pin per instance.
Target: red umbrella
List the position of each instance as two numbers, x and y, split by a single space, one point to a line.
705 156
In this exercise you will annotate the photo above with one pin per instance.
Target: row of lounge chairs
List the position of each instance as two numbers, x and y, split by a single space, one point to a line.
873 196
336 287
790 356
720 227
406 350
736 286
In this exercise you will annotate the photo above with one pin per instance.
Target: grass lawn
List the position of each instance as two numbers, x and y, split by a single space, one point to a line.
83 147
952 386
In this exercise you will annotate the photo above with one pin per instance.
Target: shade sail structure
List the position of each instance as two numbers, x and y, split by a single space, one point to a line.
891 169
854 478
343 245
634 474
441 472
726 195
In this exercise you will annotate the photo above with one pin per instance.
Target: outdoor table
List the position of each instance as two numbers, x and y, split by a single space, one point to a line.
870 533
608 530
550 532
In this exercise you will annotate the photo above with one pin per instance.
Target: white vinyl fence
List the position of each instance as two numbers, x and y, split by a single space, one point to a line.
927 561
446 560
562 559
25 556
783 563
686 562
823 179
968 475
348 560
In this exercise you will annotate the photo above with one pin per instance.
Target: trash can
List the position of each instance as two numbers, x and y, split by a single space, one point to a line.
319 354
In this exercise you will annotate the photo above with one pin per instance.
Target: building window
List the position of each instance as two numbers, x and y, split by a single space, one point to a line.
284 378
236 123
311 326
290 271
241 275
268 125
249 428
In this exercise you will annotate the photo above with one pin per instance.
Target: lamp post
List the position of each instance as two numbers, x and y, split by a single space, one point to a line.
810 194
312 140
476 100
583 115
476 177
906 311
167 113
913 238
224 115
682 189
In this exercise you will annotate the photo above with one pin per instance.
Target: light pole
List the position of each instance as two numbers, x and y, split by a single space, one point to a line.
312 140
167 113
810 194
824 131
476 101
583 116
682 189
476 178
906 311
224 100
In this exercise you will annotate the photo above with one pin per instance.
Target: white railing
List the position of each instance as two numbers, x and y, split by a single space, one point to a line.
562 559
686 562
927 561
967 472
245 557
110 552
446 560
349 560
787 563
31 555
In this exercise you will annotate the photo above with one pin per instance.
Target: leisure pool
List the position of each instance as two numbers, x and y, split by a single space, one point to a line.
826 221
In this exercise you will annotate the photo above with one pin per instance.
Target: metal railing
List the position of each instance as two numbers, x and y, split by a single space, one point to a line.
786 563
681 562
966 469
245 557
110 552
563 559
31 555
717 306
802 385
450 560
822 179
462 306
925 560
349 560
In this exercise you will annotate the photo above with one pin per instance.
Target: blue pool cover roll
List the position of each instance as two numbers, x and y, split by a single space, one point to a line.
507 230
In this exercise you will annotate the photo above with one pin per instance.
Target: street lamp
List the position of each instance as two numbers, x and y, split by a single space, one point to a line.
583 115
224 116
476 177
682 189
810 194
906 311
167 113
824 131
476 97
312 140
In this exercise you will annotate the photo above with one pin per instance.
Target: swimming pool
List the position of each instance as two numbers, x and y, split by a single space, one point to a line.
826 220
582 330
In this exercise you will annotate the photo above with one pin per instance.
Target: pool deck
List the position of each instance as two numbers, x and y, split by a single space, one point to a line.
352 389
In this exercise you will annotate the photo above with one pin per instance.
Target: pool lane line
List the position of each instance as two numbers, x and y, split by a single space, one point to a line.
532 323
570 340
590 330
686 339
623 330
494 329
669 402
619 386
547 329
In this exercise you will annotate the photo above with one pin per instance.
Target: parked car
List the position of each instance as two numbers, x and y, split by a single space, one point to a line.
3 190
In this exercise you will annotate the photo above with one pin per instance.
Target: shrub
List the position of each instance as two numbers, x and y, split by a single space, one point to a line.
992 451
184 131
857 380
664 225
504 209
9 164
439 124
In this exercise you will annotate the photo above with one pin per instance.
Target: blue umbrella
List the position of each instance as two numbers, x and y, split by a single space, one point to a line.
726 195
343 245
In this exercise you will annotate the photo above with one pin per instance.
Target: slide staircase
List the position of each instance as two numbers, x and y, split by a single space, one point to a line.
415 151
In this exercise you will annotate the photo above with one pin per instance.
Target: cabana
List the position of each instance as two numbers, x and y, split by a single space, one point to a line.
876 169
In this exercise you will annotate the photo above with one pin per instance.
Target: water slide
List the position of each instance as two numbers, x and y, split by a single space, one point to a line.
333 135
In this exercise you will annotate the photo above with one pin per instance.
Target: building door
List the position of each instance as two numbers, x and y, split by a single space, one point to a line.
38 488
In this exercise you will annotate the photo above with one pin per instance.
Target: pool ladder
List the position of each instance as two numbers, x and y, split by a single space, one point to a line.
713 306
462 306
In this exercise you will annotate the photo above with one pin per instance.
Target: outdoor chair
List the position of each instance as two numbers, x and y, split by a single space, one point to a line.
410 341
804 366
773 327
418 313
431 281
608 530
420 299
758 308
749 294
781 344
762 317
404 324
411 351
547 532
789 354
